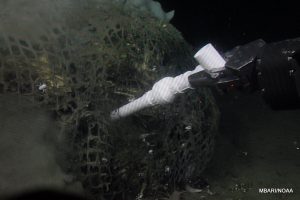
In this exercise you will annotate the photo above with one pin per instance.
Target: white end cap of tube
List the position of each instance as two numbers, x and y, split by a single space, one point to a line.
210 59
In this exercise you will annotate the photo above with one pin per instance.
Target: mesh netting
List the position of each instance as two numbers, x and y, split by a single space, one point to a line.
94 56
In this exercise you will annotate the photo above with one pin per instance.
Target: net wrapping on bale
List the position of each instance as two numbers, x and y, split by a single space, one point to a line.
94 56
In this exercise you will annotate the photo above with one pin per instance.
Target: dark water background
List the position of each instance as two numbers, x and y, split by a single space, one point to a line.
229 23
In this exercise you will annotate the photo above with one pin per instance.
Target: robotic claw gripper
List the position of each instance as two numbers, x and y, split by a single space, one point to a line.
272 68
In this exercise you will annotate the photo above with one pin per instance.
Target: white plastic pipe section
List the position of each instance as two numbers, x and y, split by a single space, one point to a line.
210 59
165 90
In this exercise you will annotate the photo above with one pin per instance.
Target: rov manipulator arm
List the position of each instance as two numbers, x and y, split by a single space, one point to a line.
272 68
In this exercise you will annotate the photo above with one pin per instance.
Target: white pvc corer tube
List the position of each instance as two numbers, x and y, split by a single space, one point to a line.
163 92
130 108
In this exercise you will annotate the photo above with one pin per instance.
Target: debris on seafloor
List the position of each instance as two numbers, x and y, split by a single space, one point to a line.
296 144
141 193
192 190
42 87
201 193
175 195
243 187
